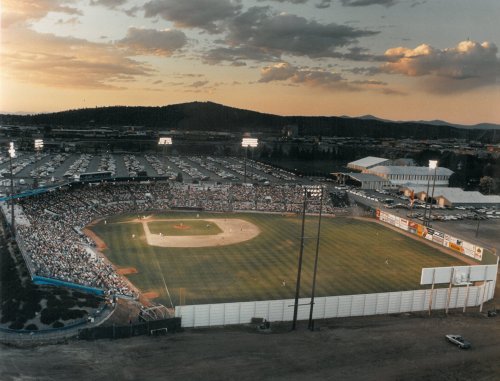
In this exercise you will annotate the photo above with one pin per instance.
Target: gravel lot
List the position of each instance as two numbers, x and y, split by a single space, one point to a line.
404 347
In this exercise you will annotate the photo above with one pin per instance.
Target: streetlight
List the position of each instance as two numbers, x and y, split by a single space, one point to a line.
248 142
38 148
165 141
12 154
432 165
309 191
311 323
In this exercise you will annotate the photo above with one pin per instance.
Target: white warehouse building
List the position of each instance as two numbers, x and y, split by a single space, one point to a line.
367 162
408 175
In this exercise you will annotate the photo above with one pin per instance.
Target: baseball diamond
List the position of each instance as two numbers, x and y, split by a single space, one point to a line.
258 261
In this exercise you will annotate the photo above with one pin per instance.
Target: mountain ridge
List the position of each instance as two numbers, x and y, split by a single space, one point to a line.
210 116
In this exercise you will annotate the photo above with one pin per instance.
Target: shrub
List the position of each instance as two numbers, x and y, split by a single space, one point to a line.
72 314
49 315
58 324
18 324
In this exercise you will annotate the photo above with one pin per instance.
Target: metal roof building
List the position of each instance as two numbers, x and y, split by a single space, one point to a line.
454 196
403 175
362 180
367 162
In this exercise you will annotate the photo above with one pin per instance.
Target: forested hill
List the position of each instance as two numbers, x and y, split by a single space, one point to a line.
207 116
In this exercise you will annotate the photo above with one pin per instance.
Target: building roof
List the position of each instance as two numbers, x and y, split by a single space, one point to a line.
458 195
367 162
407 170
363 177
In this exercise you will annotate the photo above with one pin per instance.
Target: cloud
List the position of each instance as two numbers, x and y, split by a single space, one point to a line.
311 78
364 3
371 82
287 1
203 14
153 42
359 54
50 60
260 33
237 56
467 66
322 79
111 4
369 71
70 21
417 3
21 11
132 12
324 4
198 84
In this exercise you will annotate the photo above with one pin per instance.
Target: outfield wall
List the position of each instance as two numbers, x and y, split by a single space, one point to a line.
205 315
455 244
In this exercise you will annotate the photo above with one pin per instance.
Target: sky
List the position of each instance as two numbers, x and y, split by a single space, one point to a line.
394 59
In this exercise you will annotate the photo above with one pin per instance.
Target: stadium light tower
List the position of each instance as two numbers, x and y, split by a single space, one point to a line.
425 221
12 154
309 191
432 165
164 142
248 142
313 290
38 147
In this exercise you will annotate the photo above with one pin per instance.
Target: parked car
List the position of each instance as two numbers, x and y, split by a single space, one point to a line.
458 340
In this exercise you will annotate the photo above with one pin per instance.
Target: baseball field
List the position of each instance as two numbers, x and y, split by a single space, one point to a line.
214 258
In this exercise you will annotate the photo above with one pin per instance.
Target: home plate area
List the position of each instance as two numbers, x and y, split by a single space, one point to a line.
233 230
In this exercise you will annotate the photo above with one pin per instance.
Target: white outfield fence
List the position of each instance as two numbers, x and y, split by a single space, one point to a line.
205 315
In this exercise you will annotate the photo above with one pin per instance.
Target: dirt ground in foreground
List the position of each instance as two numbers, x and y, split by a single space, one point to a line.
404 347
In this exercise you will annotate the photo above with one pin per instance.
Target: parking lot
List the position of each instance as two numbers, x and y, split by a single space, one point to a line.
58 168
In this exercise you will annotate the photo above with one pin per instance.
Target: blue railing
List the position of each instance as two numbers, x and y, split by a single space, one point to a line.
60 283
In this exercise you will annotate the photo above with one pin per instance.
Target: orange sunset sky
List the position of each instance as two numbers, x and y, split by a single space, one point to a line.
394 59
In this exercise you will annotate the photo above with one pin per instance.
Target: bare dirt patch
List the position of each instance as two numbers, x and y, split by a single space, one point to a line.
182 227
127 271
405 348
151 295
100 245
234 230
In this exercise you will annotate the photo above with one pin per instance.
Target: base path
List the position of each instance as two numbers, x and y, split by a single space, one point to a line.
234 230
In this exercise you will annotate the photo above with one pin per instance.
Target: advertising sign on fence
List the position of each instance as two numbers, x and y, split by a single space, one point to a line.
433 235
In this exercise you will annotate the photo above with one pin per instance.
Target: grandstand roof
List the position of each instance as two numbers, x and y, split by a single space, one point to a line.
404 170
367 162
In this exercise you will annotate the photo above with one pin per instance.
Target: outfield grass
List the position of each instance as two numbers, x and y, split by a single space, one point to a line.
184 228
352 260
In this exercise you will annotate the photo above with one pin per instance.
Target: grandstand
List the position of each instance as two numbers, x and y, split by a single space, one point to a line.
49 227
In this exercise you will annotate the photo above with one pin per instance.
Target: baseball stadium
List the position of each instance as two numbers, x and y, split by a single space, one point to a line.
174 245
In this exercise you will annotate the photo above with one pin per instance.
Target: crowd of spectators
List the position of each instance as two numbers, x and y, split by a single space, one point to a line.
52 235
